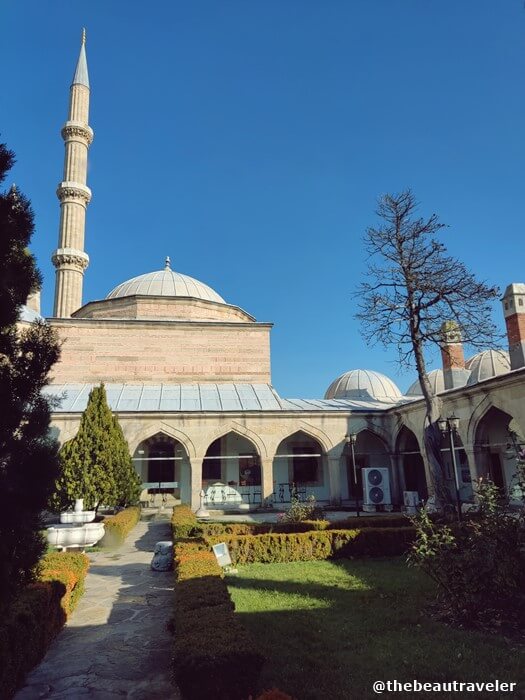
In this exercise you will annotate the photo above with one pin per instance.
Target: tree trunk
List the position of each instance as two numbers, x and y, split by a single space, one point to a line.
431 432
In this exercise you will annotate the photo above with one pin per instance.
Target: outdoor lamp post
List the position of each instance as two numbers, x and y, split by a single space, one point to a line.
351 439
450 425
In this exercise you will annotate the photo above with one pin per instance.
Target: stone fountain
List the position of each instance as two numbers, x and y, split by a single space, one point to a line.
76 529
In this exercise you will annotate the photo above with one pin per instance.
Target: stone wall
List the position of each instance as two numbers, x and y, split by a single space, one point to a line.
156 352
163 308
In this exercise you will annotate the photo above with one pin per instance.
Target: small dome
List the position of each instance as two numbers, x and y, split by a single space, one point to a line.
165 283
362 384
437 382
487 364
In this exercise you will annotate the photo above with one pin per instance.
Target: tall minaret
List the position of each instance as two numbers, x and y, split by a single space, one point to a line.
69 258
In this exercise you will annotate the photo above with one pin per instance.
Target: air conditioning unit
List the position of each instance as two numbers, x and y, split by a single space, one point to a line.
411 500
376 487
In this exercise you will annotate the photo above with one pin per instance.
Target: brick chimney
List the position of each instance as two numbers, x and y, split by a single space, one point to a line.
452 356
514 312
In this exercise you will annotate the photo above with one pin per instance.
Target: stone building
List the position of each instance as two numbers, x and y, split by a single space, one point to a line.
188 375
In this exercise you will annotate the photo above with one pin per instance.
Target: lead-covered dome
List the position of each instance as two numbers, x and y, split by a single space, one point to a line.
362 384
437 382
165 283
487 364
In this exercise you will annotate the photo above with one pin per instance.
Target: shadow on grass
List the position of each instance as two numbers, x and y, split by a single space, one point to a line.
330 629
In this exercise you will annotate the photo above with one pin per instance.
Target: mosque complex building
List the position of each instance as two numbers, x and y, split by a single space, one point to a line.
188 375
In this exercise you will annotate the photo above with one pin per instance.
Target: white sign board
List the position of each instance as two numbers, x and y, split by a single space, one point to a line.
222 554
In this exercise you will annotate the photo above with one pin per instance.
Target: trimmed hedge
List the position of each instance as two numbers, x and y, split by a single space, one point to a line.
361 521
183 521
213 654
38 615
117 527
309 546
355 522
70 568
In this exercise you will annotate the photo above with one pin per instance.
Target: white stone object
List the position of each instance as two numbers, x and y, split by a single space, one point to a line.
64 535
79 505
202 512
162 556
85 516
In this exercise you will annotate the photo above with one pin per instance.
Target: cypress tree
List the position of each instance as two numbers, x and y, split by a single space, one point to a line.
128 482
96 464
28 455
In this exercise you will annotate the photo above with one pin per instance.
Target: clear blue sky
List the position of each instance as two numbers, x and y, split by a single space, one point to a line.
250 141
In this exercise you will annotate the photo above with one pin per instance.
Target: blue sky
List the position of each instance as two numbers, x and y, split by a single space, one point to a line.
250 141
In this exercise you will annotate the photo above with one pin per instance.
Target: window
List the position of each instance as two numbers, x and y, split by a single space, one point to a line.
305 469
211 470
249 470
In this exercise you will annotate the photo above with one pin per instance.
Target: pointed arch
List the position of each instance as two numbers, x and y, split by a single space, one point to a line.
405 432
240 429
410 462
478 414
363 425
311 431
151 429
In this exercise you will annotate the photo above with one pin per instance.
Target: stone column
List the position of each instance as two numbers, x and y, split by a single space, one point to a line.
196 482
334 474
398 478
266 478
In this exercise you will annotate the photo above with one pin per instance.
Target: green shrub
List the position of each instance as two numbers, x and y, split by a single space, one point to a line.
372 542
213 655
216 529
69 568
300 510
183 522
479 564
37 615
363 521
316 545
359 522
275 548
117 527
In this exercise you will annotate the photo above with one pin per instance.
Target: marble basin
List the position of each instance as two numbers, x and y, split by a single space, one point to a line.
84 516
68 535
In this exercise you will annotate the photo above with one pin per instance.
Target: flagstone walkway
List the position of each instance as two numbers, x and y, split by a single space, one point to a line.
115 644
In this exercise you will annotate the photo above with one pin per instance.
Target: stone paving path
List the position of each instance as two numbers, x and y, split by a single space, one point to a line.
115 644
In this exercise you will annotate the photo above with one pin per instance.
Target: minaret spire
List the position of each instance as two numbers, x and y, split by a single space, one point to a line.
70 259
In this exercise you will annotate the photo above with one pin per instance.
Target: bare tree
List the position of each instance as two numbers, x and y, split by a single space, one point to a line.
412 287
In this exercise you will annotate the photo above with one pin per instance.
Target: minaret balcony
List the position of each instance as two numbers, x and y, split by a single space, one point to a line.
70 258
77 131
74 192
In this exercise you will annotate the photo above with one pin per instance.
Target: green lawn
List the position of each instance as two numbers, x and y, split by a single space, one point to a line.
329 629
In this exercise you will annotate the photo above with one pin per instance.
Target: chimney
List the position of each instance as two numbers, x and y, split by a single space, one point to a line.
452 357
514 312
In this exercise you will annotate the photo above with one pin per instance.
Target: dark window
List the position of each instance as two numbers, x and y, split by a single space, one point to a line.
305 469
212 468
249 471
162 465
